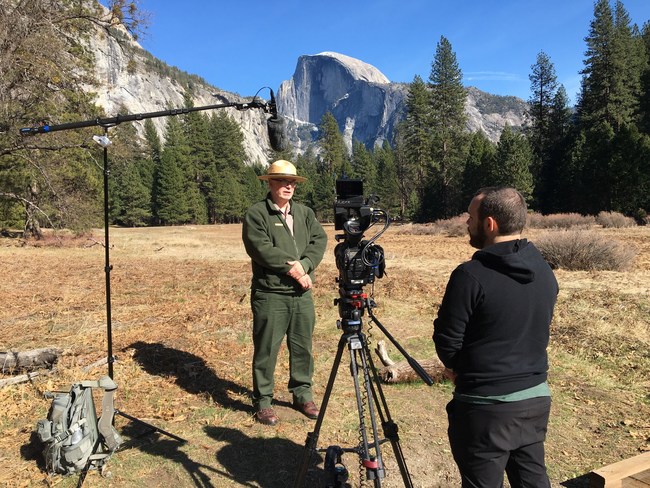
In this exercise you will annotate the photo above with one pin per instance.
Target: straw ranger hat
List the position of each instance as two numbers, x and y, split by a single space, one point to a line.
282 170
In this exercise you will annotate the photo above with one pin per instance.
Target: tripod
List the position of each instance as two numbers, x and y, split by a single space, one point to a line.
369 448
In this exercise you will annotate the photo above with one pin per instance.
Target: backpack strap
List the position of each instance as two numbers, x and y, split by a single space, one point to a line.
105 423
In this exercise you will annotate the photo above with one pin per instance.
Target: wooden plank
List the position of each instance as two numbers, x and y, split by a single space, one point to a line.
612 476
630 482
638 480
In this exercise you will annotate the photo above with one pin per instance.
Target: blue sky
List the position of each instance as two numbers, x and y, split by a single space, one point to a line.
241 46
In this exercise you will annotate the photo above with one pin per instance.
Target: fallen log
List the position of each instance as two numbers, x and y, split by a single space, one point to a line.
402 372
11 361
23 378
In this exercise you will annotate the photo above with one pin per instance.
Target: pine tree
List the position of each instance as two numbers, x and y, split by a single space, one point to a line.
608 104
406 179
511 165
228 198
544 86
479 162
415 136
557 187
153 149
171 206
388 191
129 192
630 191
595 102
134 208
201 160
363 167
307 165
334 154
644 97
448 121
629 55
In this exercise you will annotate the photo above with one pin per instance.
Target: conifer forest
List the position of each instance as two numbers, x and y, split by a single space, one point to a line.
587 158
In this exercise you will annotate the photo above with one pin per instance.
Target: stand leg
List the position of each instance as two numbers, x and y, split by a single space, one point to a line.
312 437
152 428
374 465
105 142
360 362
389 427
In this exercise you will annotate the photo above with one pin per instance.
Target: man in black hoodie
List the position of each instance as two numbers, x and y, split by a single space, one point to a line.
491 334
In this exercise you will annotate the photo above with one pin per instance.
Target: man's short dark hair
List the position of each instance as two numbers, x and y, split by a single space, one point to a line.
505 205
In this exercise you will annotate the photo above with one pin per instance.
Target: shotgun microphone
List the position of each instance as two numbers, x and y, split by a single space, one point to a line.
276 127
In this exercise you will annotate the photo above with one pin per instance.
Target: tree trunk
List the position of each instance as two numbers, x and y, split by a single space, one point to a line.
28 360
32 228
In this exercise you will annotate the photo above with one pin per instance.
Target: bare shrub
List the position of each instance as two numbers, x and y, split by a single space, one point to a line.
455 226
580 250
560 221
614 219
418 230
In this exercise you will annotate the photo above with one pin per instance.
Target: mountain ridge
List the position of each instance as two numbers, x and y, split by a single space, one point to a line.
366 105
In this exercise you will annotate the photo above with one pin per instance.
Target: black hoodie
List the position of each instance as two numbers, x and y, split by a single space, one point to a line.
493 325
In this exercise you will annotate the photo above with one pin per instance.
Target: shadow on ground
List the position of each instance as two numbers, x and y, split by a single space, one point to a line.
144 439
579 482
271 462
191 372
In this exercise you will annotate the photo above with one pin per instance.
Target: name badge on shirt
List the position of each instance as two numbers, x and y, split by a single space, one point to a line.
279 224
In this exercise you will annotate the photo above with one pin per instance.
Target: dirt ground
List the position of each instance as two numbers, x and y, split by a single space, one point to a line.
180 325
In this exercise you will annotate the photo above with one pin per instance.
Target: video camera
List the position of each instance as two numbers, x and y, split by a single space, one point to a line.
359 261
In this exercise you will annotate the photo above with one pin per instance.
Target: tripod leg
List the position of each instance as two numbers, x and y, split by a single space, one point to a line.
374 465
153 428
312 437
390 428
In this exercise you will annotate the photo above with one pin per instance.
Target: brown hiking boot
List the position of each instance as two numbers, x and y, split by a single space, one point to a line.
309 409
266 416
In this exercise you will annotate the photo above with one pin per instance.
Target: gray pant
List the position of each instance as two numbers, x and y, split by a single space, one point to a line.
275 316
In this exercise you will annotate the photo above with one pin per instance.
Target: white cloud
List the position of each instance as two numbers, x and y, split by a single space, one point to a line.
491 76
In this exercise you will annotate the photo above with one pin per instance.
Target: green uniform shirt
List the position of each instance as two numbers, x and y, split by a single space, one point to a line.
270 244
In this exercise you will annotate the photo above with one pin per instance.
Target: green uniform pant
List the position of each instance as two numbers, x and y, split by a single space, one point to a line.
274 317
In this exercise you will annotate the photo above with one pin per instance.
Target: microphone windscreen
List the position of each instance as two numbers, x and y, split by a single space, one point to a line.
277 133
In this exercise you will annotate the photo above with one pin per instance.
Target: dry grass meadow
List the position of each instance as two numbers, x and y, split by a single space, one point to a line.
181 333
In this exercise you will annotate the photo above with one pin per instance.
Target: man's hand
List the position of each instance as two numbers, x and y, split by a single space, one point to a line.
297 272
305 282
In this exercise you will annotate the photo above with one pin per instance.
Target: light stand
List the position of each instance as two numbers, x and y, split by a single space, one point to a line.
104 141
274 125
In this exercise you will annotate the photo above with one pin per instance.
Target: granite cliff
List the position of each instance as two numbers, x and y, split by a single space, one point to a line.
366 105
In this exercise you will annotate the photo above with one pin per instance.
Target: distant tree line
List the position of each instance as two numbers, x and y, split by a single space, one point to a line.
593 158
590 158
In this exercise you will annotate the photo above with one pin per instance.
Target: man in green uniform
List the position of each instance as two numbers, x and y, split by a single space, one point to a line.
285 243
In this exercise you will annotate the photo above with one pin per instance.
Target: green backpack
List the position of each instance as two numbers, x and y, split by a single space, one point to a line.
74 439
